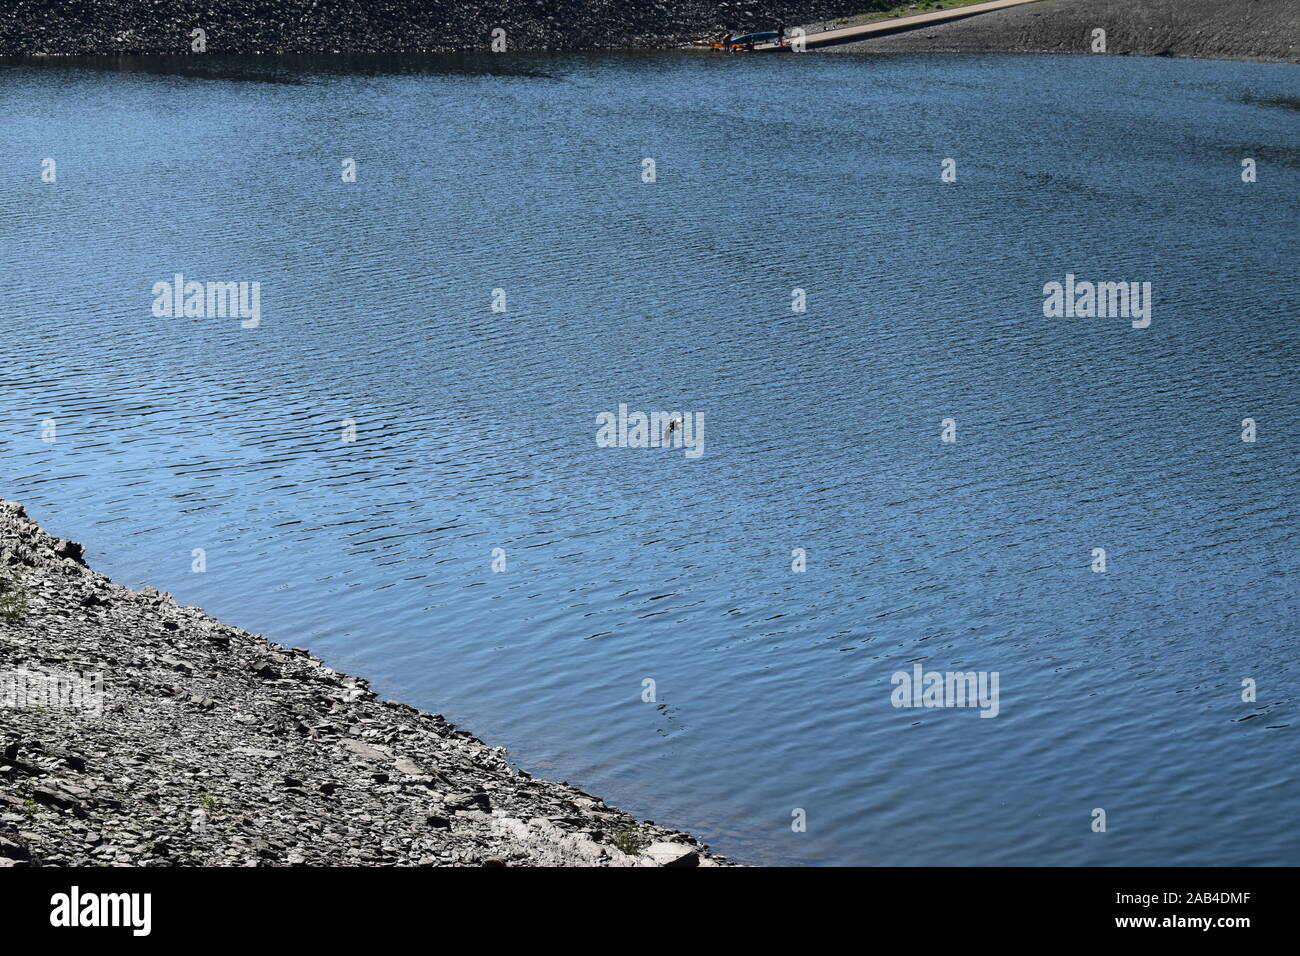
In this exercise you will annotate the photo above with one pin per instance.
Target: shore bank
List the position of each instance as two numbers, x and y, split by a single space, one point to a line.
386 26
134 731
1266 30
1224 29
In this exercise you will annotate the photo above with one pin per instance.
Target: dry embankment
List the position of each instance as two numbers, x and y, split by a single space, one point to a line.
1216 29
1234 29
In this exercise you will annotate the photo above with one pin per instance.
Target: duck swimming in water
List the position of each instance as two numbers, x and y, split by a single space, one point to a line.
673 425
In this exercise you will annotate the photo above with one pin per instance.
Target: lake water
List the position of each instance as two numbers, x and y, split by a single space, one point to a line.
476 429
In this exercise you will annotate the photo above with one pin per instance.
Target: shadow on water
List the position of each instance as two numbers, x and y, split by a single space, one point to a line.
297 69
1281 102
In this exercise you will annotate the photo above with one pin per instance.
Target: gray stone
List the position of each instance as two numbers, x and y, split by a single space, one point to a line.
672 854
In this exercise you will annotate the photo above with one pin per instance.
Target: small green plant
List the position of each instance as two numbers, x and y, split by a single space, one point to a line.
208 801
631 840
13 601
29 807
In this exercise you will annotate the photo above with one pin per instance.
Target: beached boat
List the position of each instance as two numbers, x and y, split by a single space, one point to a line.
764 42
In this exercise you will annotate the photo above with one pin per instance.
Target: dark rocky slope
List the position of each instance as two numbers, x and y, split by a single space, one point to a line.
217 747
384 26
1245 29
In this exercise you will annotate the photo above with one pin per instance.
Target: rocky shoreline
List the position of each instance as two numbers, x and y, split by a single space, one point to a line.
1267 30
48 27
137 732
1226 29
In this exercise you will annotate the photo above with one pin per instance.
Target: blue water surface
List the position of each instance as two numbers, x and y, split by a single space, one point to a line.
476 429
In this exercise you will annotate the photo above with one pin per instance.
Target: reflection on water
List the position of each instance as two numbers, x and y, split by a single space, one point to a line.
476 429
298 68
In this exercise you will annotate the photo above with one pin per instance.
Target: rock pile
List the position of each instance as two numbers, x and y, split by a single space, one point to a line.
386 26
134 731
